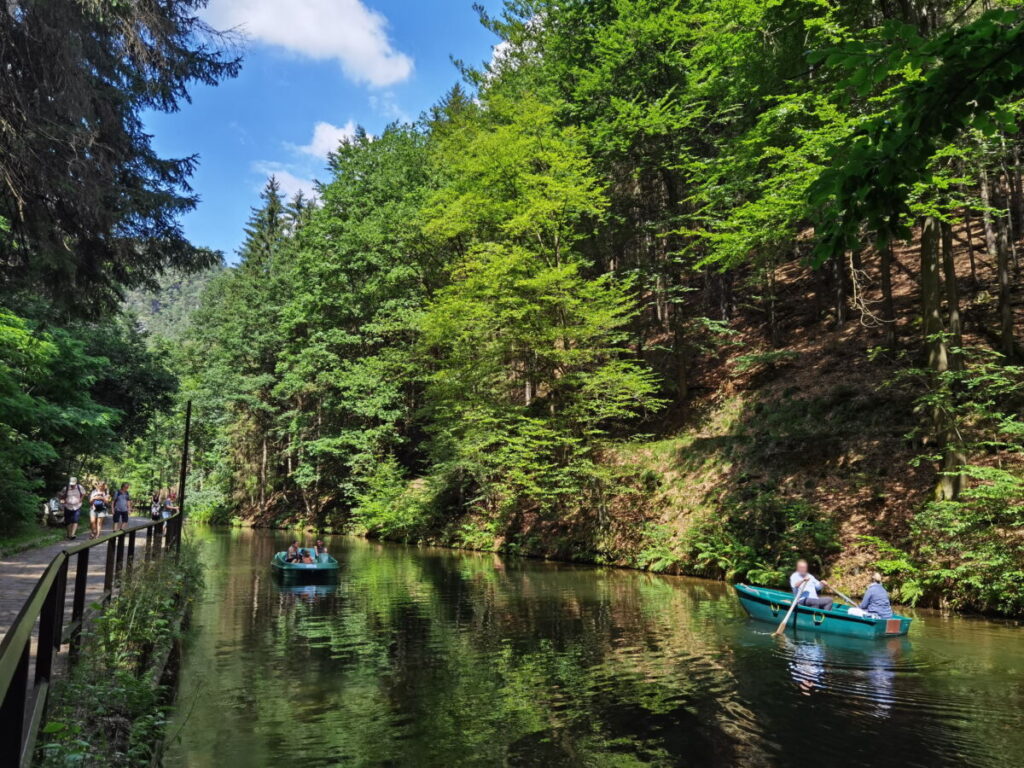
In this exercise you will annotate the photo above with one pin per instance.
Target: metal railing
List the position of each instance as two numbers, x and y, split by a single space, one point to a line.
23 702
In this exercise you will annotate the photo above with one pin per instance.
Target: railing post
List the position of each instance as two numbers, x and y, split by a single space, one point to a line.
119 557
131 553
108 574
12 712
182 475
78 603
58 608
48 631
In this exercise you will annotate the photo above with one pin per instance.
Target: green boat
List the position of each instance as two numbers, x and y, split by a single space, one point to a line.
323 565
771 605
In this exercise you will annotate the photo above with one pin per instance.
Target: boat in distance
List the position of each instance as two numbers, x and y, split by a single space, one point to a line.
771 605
322 565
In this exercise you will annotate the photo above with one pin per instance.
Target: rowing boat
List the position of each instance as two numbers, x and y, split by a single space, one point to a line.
770 605
323 565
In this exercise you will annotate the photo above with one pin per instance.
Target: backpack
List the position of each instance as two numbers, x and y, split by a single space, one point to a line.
73 496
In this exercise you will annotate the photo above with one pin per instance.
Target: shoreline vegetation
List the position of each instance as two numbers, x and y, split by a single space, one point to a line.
112 710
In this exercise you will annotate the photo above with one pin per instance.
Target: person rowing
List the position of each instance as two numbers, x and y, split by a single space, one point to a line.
805 588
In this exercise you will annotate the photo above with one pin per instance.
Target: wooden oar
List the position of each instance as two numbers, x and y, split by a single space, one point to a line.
843 596
792 607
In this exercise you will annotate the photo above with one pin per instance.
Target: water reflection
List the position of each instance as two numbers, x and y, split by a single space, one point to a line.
864 671
429 657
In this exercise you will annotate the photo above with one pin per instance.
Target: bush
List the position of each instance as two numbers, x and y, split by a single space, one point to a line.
389 504
971 550
759 536
109 712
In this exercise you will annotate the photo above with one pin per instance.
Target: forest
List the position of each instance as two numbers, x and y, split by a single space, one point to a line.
695 286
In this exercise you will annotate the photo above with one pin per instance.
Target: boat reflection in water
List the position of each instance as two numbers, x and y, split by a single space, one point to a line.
864 670
307 593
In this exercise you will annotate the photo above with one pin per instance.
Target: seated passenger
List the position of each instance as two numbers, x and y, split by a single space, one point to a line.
307 558
876 599
321 548
294 553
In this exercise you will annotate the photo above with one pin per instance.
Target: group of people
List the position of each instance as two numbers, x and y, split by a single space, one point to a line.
297 554
101 504
874 604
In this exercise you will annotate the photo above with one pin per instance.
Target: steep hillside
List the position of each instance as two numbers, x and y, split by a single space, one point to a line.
165 312
815 438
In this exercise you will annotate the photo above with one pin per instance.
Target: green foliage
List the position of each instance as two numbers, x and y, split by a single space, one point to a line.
759 360
46 411
85 223
388 505
759 535
961 78
659 553
110 711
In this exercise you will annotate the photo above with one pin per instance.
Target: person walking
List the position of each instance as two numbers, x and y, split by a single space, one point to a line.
71 498
169 505
99 505
122 507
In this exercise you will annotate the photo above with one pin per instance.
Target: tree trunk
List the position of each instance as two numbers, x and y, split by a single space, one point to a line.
263 477
839 290
931 296
970 245
952 296
986 216
888 310
771 308
948 486
1005 306
682 361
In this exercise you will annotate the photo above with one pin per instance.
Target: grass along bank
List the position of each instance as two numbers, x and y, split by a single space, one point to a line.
27 535
113 708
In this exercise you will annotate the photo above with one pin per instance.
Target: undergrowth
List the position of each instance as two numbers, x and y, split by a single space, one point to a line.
111 711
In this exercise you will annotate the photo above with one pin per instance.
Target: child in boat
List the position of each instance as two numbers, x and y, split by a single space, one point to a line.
307 558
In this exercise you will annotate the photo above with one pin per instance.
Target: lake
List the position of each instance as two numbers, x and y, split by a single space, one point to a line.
429 657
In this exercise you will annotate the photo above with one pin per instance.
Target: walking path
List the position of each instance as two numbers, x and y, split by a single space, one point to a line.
19 573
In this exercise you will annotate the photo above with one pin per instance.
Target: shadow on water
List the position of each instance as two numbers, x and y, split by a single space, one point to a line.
426 657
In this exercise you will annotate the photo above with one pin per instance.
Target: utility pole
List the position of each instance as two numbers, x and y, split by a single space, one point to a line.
181 477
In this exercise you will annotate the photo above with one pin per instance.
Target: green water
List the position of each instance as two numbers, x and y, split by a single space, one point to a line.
426 657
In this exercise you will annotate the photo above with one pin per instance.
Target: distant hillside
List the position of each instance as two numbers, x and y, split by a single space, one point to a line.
166 311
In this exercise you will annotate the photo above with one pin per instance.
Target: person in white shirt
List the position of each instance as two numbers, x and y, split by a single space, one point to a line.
806 587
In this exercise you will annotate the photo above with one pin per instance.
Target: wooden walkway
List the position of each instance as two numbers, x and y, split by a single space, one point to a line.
19 573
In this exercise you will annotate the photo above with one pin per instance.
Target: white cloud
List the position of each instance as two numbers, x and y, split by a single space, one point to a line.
345 30
326 138
386 105
499 53
290 182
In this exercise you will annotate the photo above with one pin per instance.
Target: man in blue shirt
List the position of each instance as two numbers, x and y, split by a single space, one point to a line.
876 599
806 587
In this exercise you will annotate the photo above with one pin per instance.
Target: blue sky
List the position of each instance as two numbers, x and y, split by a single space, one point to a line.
313 70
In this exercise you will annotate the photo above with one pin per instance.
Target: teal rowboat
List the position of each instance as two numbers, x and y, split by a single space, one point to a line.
323 565
770 605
